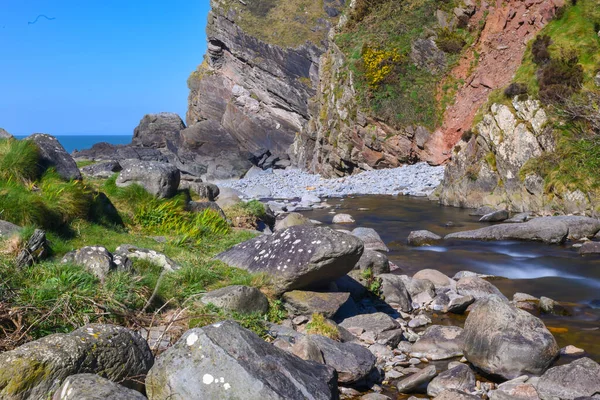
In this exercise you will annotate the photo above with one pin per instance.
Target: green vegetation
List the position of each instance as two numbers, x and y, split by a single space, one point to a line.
54 297
246 215
319 325
377 42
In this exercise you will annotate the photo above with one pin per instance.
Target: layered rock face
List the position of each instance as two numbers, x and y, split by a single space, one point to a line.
253 91
489 168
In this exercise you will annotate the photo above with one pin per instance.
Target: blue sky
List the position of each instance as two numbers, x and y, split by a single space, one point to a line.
99 66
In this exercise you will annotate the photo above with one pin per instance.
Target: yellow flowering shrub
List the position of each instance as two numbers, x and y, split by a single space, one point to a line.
378 64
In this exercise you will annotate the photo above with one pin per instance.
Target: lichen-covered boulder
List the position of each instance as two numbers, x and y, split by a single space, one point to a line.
505 341
459 377
37 369
159 179
94 387
226 361
54 155
439 342
238 298
95 259
153 256
301 302
157 130
298 257
579 379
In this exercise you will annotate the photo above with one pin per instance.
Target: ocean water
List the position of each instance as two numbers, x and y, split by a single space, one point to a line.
82 142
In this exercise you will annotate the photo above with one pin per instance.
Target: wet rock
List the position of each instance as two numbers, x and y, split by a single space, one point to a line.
292 219
238 298
453 394
95 259
300 302
8 229
580 378
343 219
438 279
226 360
371 239
156 130
37 369
94 387
590 248
137 253
423 238
496 216
394 291
548 230
160 180
353 362
439 343
103 170
375 261
502 340
298 257
377 323
478 288
413 382
460 378
53 155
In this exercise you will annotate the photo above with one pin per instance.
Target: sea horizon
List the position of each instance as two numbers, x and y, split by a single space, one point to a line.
73 142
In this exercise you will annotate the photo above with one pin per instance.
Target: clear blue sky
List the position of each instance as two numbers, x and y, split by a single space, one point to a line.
99 66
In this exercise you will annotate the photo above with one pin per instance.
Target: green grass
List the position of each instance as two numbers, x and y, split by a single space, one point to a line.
319 325
407 94
19 160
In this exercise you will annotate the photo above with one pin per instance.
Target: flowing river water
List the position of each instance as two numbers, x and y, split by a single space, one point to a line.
558 272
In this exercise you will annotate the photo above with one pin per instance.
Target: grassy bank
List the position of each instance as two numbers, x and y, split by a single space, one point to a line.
54 297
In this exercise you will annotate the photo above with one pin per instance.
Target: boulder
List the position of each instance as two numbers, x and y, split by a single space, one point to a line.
548 230
156 130
394 291
421 291
103 170
298 257
496 216
8 229
306 349
343 219
229 197
454 394
478 288
137 253
160 180
439 342
519 217
423 238
54 155
414 381
201 206
438 279
481 211
579 227
370 238
224 360
505 341
580 378
95 259
238 298
521 388
37 369
375 261
300 302
204 190
587 248
353 362
460 378
5 135
94 387
458 304
292 219
377 323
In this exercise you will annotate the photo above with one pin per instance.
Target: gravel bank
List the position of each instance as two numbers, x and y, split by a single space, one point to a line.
414 180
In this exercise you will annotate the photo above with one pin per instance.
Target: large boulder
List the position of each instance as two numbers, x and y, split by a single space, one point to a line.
160 180
95 259
37 369
54 155
157 130
299 302
579 227
438 279
297 257
353 362
578 379
238 298
548 230
370 238
439 342
505 341
226 361
94 387
8 229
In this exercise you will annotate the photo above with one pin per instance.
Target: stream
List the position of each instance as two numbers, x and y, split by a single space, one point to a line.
558 272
